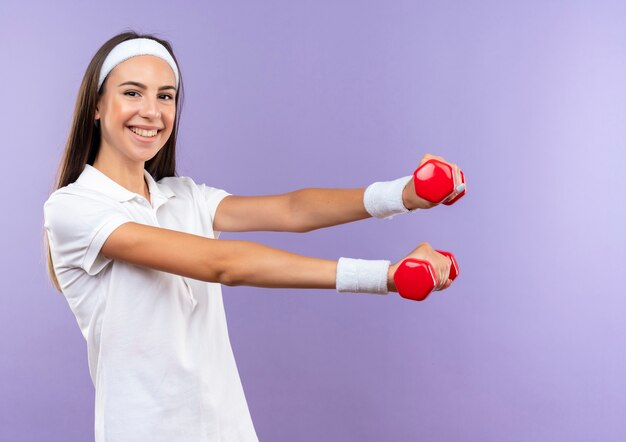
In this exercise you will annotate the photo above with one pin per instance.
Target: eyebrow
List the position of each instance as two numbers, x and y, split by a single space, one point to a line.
143 86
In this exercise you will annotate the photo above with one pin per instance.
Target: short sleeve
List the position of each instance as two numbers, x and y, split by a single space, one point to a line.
77 228
213 197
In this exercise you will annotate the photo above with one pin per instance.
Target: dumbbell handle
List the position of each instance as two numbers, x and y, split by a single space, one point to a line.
415 278
434 182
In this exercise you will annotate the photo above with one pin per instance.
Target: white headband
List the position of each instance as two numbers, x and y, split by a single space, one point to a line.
132 48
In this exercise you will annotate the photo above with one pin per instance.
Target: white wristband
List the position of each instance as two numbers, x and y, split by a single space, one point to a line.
383 199
362 276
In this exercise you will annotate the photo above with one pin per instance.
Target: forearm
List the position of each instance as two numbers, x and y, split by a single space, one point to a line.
253 264
315 208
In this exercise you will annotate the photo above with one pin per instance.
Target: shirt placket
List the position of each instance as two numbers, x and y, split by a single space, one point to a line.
152 208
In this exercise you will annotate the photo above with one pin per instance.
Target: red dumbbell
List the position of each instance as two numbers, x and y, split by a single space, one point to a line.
434 182
415 278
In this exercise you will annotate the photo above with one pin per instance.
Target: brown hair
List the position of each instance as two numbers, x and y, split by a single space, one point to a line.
83 142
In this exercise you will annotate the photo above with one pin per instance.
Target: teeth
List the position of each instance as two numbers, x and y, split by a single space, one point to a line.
144 133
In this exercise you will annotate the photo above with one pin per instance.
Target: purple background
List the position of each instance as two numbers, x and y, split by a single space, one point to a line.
529 98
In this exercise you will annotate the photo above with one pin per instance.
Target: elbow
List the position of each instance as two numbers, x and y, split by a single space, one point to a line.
301 226
302 229
309 228
295 221
229 278
220 261
229 272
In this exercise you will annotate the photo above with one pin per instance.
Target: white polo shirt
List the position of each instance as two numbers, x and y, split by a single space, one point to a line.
159 353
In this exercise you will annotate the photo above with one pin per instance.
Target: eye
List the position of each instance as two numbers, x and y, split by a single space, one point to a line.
131 92
169 97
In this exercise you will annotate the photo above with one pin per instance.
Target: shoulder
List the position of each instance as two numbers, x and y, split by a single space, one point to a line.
179 184
74 207
184 185
74 195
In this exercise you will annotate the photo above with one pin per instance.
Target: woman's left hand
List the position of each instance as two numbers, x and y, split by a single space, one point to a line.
412 201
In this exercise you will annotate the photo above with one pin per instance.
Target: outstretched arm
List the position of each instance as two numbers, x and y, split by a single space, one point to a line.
308 209
302 210
229 262
236 263
298 211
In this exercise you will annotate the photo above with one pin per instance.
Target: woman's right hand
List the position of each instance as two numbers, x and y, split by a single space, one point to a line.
440 263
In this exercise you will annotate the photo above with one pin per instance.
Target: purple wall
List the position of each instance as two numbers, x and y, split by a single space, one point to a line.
528 98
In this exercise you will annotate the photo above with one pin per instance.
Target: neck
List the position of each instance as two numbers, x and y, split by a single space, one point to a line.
128 175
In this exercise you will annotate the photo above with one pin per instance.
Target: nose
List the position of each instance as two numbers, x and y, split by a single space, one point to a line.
150 108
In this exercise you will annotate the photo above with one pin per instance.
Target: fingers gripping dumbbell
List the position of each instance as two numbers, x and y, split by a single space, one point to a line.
434 181
415 278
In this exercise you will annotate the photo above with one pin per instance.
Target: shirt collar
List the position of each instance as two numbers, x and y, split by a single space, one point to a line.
92 178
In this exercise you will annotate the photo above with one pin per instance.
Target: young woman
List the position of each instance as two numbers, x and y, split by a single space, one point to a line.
134 250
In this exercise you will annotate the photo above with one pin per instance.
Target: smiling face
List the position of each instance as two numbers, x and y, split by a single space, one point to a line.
137 109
